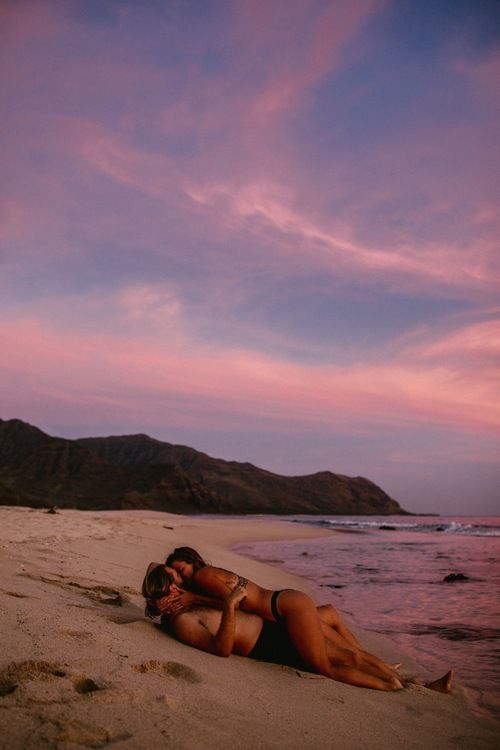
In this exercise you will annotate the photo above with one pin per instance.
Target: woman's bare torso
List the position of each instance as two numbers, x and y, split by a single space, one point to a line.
219 583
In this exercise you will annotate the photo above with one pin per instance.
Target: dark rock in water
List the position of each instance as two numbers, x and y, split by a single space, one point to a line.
384 527
332 585
304 553
455 632
441 528
452 577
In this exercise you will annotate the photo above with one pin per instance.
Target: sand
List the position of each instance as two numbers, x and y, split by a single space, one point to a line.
80 666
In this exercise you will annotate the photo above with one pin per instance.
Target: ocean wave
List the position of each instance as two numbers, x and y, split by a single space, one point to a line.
445 527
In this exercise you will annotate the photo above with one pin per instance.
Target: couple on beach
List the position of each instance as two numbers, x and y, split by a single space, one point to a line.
222 613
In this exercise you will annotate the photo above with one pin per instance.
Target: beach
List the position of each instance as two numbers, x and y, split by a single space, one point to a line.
81 666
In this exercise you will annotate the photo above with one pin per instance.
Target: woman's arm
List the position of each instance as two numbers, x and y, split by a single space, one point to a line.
217 582
224 638
193 632
177 602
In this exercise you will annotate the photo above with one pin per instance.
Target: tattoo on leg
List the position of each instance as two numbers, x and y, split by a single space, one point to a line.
243 582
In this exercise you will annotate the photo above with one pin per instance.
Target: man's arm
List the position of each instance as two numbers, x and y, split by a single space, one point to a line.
193 632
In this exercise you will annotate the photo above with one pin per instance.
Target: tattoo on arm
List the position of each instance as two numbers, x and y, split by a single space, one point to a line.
231 579
243 582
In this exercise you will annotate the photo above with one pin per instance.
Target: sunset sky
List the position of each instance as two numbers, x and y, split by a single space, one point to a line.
265 229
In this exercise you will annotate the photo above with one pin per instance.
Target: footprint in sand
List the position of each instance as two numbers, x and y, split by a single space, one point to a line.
85 685
127 614
100 594
88 735
31 671
170 668
27 671
16 594
7 685
80 634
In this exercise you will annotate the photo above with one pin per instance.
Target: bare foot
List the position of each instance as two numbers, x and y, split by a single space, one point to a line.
443 684
395 684
396 665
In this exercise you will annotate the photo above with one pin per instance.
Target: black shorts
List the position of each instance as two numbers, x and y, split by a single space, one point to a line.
275 645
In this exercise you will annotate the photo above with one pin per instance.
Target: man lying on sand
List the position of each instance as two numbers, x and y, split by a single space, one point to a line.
318 634
233 631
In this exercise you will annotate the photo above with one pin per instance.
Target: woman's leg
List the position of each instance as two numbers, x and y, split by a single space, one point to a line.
305 630
329 616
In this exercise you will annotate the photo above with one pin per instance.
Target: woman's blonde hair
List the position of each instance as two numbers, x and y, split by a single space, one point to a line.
156 584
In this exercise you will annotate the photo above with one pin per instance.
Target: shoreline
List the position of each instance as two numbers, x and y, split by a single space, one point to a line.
372 638
82 667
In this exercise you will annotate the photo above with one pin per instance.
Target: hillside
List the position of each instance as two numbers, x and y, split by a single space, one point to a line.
136 471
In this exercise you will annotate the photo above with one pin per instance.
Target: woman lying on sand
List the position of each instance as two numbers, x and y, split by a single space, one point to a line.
246 634
318 634
219 582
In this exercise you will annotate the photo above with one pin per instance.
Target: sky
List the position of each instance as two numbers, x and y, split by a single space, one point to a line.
267 230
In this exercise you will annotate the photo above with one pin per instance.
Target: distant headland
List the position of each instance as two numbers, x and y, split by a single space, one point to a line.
136 471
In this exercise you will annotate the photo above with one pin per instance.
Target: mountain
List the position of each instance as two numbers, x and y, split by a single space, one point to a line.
136 471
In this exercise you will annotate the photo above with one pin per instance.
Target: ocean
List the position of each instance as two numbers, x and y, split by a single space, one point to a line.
386 573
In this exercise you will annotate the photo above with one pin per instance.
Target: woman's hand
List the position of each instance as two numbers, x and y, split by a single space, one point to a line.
176 602
237 595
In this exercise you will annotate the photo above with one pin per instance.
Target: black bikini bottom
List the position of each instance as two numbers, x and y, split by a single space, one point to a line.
274 606
275 645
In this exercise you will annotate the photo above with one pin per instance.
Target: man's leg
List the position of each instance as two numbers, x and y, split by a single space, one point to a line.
330 617
356 659
358 678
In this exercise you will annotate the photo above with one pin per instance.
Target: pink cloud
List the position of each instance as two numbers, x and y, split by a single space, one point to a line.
267 207
222 182
484 74
153 175
480 339
227 385
250 203
295 54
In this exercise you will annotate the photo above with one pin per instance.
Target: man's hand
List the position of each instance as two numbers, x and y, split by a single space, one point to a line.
176 602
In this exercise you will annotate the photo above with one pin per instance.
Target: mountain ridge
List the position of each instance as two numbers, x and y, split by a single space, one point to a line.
137 471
